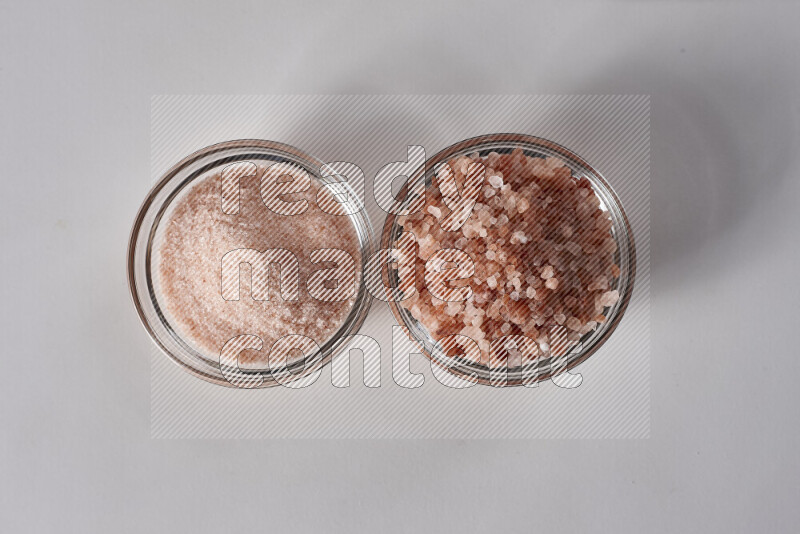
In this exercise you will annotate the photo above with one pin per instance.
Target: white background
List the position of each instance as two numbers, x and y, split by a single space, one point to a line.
76 80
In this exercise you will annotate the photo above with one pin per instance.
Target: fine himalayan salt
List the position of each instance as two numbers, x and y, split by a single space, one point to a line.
198 234
542 249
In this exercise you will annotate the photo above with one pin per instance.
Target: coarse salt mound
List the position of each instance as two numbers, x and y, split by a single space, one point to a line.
542 248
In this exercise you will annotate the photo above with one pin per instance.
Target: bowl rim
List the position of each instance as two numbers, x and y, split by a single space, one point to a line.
484 142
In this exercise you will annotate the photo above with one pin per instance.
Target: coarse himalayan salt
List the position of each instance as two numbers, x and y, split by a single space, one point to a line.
542 248
198 234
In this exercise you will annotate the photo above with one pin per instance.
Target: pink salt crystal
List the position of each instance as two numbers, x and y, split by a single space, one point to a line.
584 210
573 248
603 223
547 272
573 323
543 337
511 204
588 327
427 246
453 308
518 237
601 282
530 330
573 336
551 283
496 182
609 298
609 246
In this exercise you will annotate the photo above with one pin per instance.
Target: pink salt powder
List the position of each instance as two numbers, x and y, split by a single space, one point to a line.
197 236
542 249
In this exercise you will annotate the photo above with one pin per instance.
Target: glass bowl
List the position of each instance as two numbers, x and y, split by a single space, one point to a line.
143 252
546 365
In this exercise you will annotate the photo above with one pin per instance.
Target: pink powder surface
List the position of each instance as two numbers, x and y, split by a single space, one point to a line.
196 237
